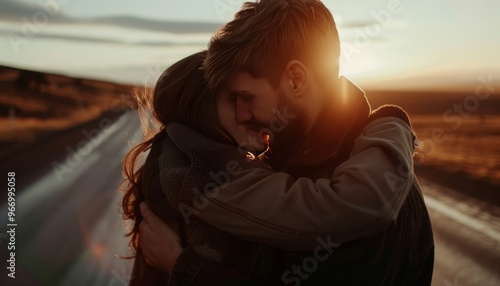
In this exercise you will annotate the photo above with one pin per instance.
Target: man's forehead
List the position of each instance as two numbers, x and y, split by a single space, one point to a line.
237 75
242 80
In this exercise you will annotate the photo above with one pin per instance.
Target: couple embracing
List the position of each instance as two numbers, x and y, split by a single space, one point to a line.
269 168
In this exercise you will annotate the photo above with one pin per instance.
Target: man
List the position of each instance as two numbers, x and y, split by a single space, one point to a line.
285 53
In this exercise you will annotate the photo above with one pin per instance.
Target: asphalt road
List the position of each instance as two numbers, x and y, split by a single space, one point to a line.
69 230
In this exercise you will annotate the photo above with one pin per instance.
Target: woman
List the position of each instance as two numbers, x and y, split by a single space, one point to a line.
197 123
180 96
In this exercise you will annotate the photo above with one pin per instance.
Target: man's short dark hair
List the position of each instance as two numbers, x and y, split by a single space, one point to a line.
265 35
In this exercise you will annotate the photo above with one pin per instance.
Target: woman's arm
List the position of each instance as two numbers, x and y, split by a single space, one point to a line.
362 197
161 249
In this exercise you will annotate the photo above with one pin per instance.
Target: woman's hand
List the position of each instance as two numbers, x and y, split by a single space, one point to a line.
160 244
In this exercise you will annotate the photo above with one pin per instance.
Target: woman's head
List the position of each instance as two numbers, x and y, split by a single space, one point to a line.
181 95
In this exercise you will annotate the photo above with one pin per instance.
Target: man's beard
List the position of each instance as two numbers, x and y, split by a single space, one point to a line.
291 116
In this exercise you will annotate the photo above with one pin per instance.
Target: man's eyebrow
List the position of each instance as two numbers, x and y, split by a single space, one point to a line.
240 92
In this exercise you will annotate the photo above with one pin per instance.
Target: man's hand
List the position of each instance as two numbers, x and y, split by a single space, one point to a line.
160 244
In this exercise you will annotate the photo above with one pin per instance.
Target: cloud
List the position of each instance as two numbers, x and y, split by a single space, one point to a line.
167 42
19 11
357 24
155 25
16 10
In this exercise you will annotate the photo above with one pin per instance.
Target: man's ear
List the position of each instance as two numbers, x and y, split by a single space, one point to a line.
296 77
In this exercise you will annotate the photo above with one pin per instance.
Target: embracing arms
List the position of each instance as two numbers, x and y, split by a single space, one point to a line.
361 198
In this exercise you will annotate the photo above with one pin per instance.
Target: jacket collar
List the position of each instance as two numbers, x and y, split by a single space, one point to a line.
343 117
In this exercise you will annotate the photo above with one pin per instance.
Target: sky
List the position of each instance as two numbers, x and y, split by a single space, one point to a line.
386 44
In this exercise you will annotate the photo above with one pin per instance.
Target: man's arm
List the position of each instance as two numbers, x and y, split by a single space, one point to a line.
363 196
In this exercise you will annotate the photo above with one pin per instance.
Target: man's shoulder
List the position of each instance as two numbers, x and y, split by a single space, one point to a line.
389 111
390 117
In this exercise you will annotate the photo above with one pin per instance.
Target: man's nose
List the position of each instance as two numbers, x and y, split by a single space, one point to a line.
243 112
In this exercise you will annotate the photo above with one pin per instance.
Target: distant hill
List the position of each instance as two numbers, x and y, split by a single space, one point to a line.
435 102
33 104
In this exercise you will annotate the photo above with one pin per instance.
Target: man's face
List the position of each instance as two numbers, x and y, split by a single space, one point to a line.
252 111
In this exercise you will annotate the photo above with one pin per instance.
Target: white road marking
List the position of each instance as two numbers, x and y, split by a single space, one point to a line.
462 218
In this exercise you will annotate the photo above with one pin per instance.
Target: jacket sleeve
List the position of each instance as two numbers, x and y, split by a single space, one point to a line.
361 198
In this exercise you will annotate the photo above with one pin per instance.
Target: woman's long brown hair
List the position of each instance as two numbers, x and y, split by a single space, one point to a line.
180 95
